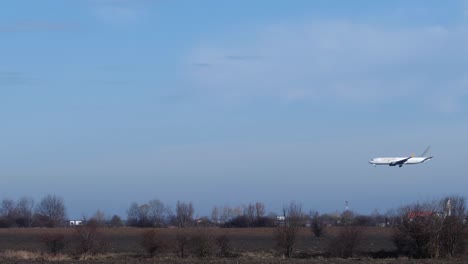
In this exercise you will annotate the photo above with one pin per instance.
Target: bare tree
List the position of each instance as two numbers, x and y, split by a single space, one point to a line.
236 211
115 221
226 214
410 236
25 208
286 234
249 213
51 211
184 214
157 213
392 218
152 214
454 230
215 215
347 217
144 216
137 215
7 208
259 210
317 225
432 230
8 212
99 218
133 215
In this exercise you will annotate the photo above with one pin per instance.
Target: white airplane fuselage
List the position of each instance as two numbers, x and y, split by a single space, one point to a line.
400 161
393 161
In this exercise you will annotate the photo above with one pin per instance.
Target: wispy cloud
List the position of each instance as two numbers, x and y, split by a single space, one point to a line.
243 57
202 64
343 61
119 11
36 26
12 78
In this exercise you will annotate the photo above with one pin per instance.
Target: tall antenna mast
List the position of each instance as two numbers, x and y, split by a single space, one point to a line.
449 207
347 206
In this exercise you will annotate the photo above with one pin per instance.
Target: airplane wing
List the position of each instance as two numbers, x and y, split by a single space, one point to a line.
399 162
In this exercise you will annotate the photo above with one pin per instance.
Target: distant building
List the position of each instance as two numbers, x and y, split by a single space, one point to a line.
75 223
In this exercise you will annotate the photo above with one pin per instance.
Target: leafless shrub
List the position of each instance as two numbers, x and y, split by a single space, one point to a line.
223 246
53 242
182 242
453 237
285 238
413 238
90 239
151 242
432 230
317 226
202 245
404 244
345 244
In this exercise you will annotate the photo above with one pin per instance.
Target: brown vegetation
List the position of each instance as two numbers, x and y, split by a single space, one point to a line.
247 245
432 230
151 242
90 239
428 230
53 242
345 244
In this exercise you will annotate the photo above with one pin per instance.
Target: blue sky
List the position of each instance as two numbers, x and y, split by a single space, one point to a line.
106 102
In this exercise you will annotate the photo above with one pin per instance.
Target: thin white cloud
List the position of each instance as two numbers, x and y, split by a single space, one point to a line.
35 26
341 61
13 78
119 11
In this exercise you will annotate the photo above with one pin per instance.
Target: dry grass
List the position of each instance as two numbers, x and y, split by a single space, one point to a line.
252 245
127 239
26 257
29 255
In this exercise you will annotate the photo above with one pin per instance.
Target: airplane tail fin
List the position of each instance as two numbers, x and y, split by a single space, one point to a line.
426 151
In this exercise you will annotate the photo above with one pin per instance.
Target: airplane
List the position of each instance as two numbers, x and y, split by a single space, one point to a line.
400 161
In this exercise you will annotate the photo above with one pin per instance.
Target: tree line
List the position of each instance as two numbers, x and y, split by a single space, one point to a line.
49 212
155 213
422 230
